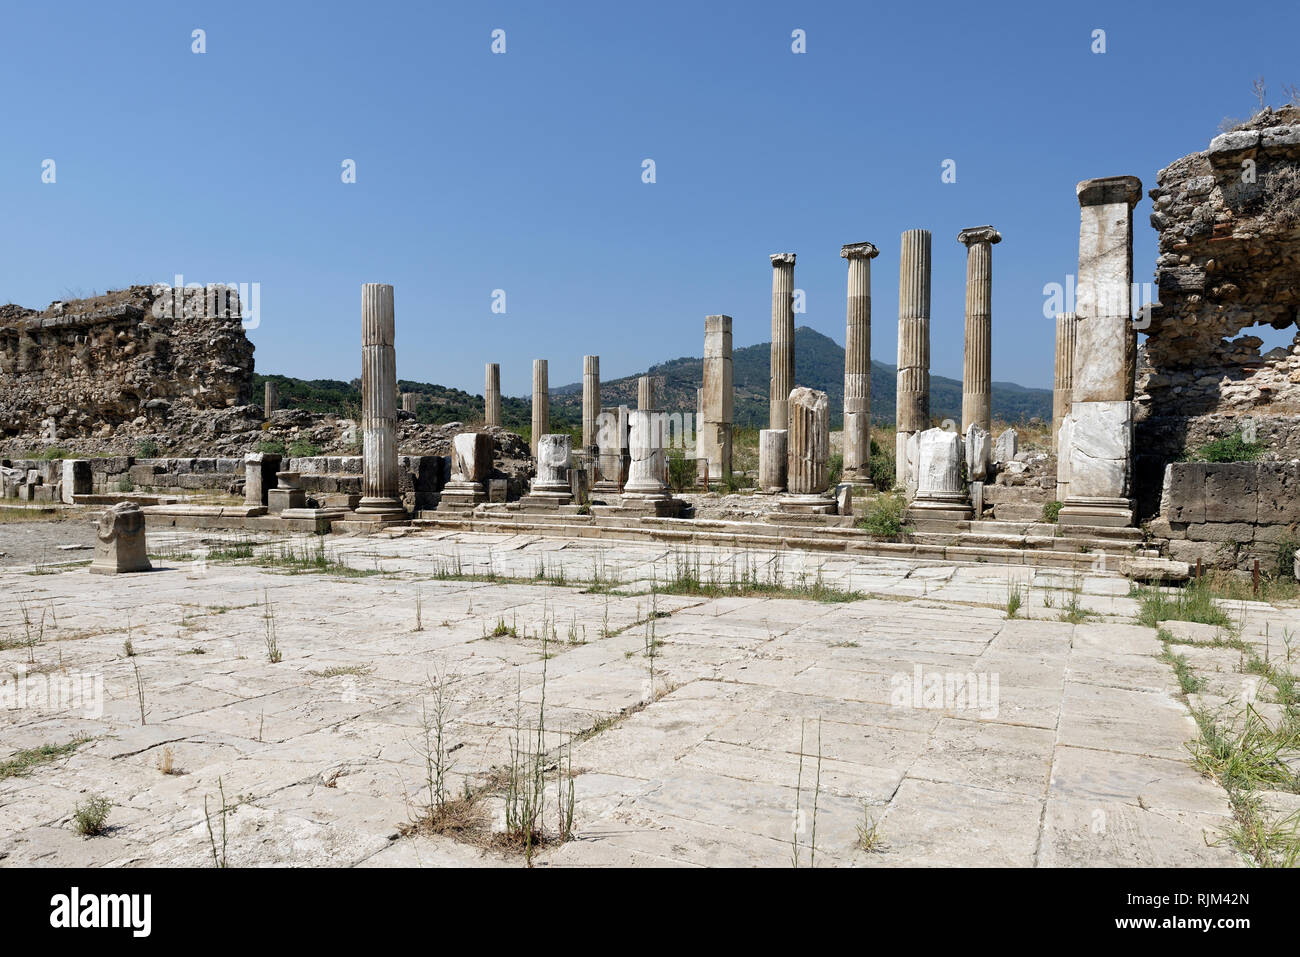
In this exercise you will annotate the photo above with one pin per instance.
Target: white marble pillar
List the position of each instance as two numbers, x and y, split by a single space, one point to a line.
717 398
380 493
977 375
590 407
857 366
912 407
1100 452
541 403
492 395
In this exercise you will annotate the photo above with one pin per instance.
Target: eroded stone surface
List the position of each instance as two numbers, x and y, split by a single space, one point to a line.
1034 728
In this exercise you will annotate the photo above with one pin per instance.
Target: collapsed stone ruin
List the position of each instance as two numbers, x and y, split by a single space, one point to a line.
134 364
1229 265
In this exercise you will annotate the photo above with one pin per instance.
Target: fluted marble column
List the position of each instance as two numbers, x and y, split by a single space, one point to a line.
492 395
645 393
977 376
857 365
379 487
1062 386
590 407
912 410
270 398
782 378
717 398
541 403
647 444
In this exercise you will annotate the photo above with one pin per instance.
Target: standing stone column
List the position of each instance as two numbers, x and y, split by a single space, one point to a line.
808 453
380 499
1066 325
772 446
410 401
717 398
857 365
270 398
646 442
541 403
492 395
1100 451
645 393
782 380
940 493
977 375
912 410
590 407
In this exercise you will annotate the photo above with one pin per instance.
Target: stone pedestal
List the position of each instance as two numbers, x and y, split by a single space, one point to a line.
380 493
120 541
288 493
1007 447
772 450
260 469
492 395
717 399
782 377
857 366
471 463
541 423
912 407
940 493
1101 442
808 448
551 488
977 376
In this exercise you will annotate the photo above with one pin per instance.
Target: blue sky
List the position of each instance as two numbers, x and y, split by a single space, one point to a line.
522 171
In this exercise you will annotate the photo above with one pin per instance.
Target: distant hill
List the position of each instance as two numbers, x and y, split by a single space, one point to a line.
818 363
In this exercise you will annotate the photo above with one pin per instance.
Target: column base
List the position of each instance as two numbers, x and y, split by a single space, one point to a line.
547 495
460 496
1109 512
373 508
812 504
946 506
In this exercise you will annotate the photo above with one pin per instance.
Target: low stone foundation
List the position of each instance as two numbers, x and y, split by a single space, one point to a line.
1228 515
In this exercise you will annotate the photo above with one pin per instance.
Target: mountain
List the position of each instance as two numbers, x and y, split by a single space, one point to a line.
818 364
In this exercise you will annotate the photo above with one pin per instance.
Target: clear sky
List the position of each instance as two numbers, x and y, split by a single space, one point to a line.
523 171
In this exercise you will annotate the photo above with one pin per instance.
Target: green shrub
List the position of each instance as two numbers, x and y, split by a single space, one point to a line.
301 449
681 470
146 449
835 467
882 467
125 485
1234 448
271 447
92 817
53 453
1051 512
884 517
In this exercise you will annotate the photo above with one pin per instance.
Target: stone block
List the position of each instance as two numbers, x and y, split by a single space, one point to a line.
120 541
1182 496
1231 493
1277 493
979 452
1101 442
1236 533
471 459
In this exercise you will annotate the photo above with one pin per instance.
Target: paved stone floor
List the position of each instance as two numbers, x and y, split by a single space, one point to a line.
1067 747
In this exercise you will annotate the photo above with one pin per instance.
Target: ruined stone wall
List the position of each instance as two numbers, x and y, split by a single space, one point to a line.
1231 514
1229 260
114 364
